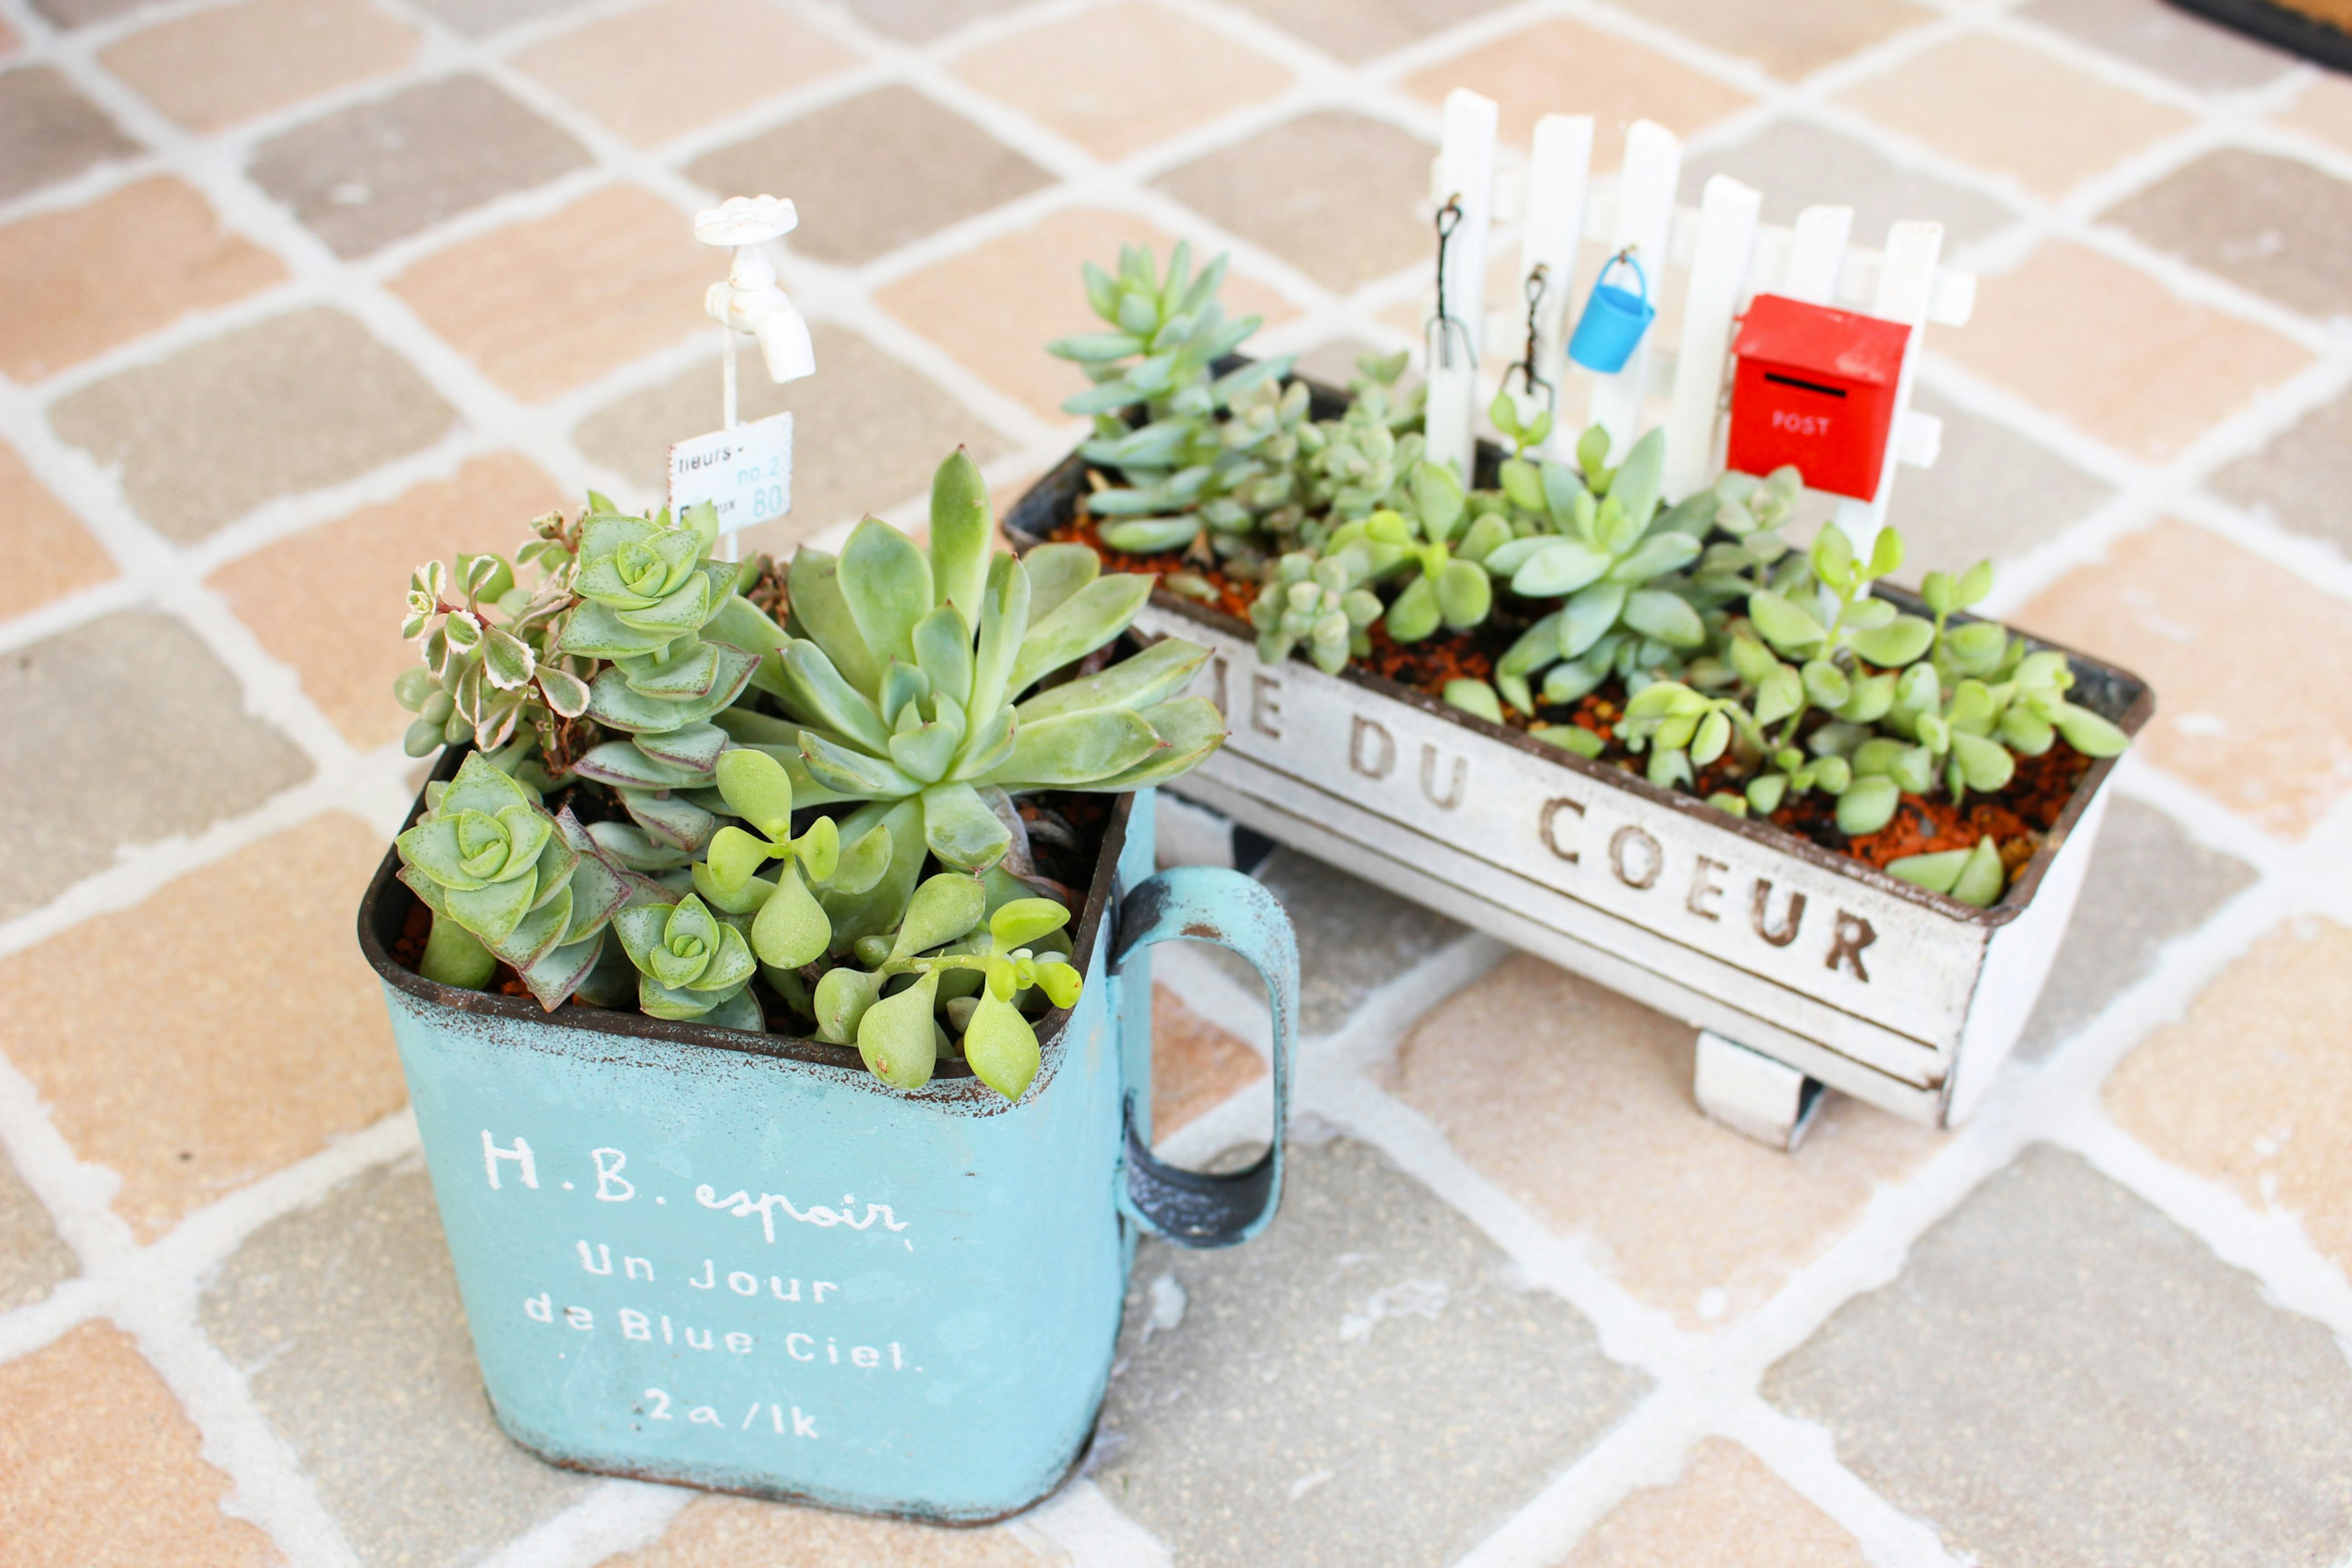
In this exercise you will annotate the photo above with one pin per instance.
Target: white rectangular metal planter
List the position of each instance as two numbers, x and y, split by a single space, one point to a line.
1896 995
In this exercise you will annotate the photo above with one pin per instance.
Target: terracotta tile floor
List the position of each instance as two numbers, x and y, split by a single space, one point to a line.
295 292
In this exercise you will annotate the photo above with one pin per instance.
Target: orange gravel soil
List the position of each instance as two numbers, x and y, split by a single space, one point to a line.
2017 816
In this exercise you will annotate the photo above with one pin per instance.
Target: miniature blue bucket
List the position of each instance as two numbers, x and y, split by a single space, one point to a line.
1613 320
738 1261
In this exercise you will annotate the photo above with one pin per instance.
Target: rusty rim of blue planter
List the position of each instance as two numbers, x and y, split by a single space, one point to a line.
384 912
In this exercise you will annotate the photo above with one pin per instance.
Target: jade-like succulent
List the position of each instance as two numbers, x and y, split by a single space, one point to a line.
902 687
789 926
490 667
1974 876
1322 605
506 881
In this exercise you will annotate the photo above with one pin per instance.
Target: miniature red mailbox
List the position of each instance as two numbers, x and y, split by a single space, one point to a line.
1815 388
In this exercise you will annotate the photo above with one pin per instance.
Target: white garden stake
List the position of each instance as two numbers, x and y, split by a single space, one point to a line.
1465 176
746 471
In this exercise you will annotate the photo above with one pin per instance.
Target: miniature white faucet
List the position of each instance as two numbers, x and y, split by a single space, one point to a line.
750 300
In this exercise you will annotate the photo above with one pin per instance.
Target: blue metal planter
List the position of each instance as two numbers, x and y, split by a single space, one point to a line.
738 1261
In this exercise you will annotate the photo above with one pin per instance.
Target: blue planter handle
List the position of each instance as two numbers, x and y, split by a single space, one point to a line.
1204 903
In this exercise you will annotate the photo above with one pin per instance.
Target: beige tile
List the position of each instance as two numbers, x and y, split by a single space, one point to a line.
1195 1066
100 1468
291 404
84 279
996 307
550 302
1725 1510
326 601
1561 66
2323 109
1063 74
33 1258
2253 1088
214 67
662 69
50 555
49 130
1333 193
2211 628
1357 30
222 1029
733 1532
872 172
2009 109
2114 352
1790 41
1578 1103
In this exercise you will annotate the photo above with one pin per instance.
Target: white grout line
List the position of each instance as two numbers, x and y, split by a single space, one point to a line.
1705 1383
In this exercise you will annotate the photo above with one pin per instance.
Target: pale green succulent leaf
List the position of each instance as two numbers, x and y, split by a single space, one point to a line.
1075 750
962 535
961 830
1667 617
1896 644
863 863
1003 624
1562 566
822 696
1000 1047
856 775
792 928
886 582
897 1039
945 908
841 999
943 647
1139 681
1189 728
493 912
1589 616
818 606
1023 921
877 909
759 789
1082 622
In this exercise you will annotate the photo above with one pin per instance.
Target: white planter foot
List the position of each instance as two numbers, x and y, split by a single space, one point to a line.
1749 1092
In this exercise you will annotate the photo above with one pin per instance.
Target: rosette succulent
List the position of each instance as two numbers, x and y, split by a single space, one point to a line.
690 963
506 882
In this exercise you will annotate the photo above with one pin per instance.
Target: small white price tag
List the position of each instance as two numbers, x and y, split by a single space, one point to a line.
746 473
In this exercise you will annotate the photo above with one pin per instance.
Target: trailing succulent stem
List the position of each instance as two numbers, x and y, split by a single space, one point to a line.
817 813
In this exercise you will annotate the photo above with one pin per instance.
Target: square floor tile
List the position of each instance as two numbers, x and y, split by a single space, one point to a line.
1565 67
872 172
2011 111
2114 352
49 130
81 12
1795 164
1577 1102
303 596
2253 1088
996 307
84 279
91 714
282 406
344 1320
1992 493
2062 1377
52 554
1357 30
661 70
212 68
2324 110
1354 937
1055 74
33 1260
868 433
2149 883
86 1428
2301 478
735 1532
1332 193
1195 1066
2210 627
2169 39
1723 1509
364 176
548 303
2275 225
274 1043
919 21
1790 41
1368 1382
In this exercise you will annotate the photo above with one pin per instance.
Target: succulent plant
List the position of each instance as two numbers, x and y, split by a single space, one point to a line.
489 666
1323 605
1186 467
508 882
690 963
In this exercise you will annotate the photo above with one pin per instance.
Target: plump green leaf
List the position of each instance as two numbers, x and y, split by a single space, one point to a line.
1057 572
792 928
823 614
1416 611
854 775
1024 921
1561 566
1985 764
734 857
897 1039
1983 877
943 910
1667 617
758 789
1635 488
1867 804
1139 681
821 695
961 830
1896 644
1465 595
1076 626
2089 733
1000 1047
1786 626
963 531
1189 728
1074 749
842 997
887 583
1003 624
1475 696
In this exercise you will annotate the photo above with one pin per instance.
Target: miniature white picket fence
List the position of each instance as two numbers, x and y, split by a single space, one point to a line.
1731 256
